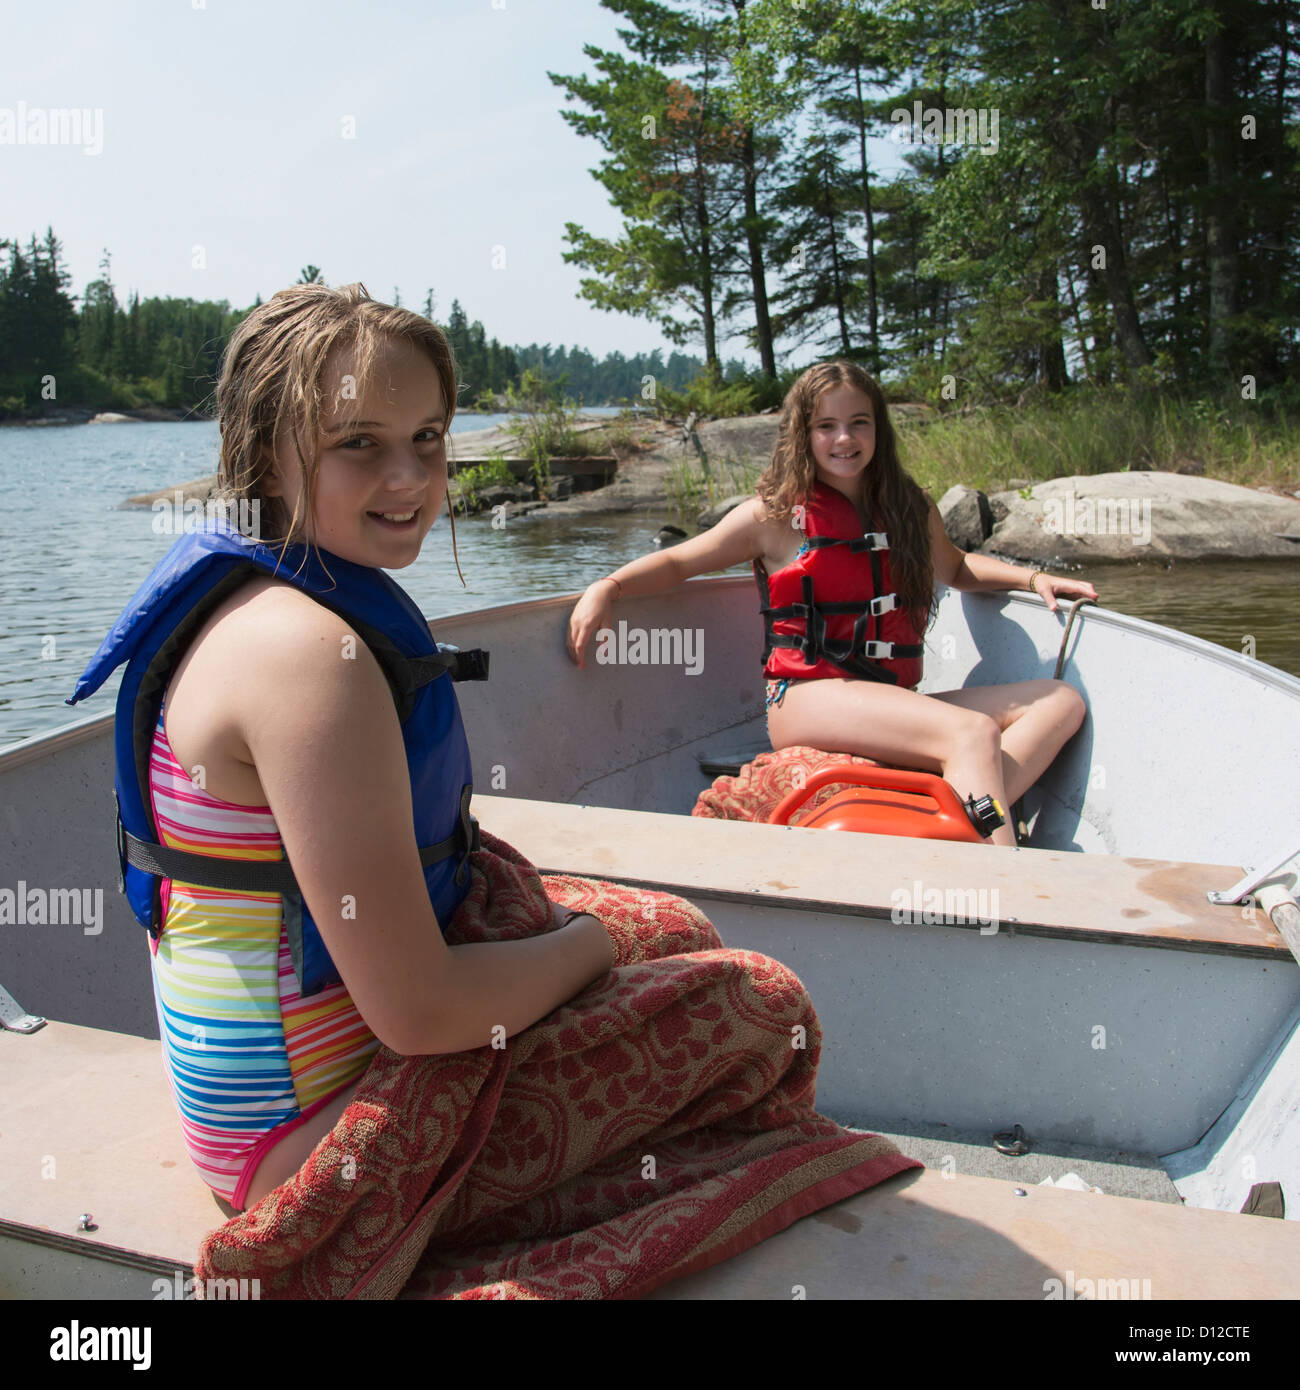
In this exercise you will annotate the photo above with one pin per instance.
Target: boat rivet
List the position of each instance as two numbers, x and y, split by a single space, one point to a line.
1020 1192
86 1222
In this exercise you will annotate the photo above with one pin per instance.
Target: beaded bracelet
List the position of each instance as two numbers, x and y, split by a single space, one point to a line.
1032 577
613 581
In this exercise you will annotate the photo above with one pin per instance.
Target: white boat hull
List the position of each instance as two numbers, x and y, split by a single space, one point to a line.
1189 754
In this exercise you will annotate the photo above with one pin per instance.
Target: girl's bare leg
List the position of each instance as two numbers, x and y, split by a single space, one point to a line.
890 725
1037 719
1002 741
280 1163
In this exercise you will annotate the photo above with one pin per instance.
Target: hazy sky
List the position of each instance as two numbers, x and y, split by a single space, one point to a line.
225 164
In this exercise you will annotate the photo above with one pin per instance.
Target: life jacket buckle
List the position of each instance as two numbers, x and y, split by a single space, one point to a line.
879 539
878 651
886 603
469 665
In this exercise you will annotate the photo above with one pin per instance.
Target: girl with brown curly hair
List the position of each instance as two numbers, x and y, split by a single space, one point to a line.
847 550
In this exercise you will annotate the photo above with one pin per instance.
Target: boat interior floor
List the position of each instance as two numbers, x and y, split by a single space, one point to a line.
949 1150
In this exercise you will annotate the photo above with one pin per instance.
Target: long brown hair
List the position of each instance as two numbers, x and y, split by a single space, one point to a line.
888 495
271 387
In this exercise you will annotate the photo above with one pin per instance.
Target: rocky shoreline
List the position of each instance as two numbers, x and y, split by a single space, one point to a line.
1107 518
1117 518
78 415
146 414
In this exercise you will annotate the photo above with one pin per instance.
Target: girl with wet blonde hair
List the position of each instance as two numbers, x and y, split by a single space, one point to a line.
328 925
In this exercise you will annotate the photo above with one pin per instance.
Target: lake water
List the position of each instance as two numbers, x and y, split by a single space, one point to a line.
69 562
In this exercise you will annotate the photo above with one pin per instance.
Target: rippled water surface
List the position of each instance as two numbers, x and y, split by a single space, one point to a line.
1252 608
69 562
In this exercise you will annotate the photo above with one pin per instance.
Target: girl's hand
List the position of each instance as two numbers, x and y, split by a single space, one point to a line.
1048 586
591 613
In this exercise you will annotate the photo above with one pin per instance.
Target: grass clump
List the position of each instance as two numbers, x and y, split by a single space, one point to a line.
689 489
1088 431
469 483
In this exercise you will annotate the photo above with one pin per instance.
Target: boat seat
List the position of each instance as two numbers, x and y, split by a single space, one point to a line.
1081 897
89 1127
726 760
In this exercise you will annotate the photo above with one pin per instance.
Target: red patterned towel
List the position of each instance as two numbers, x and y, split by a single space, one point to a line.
757 789
659 1122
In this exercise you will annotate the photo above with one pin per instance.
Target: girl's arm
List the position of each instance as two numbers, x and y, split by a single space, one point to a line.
736 538
322 732
983 574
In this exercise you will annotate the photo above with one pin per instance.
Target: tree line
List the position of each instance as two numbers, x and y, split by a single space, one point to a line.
95 352
1094 191
1102 192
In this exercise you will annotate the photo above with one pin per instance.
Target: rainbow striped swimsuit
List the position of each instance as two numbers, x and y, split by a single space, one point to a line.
246 1057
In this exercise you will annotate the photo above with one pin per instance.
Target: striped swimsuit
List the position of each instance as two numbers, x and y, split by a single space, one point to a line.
246 1057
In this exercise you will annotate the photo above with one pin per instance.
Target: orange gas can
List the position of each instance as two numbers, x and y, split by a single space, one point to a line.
892 801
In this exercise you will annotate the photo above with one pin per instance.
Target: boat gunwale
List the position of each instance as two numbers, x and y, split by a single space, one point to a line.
55 741
1111 617
75 732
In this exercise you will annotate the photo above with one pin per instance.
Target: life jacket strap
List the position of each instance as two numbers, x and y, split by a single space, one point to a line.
858 656
841 653
869 540
267 876
886 603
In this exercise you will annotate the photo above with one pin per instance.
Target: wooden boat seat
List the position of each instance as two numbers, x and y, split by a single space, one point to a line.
89 1127
1082 897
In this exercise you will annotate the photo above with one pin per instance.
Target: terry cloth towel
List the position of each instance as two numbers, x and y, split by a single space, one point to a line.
758 788
657 1123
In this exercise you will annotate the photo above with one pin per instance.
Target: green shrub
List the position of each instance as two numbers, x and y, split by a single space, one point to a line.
544 426
470 482
708 396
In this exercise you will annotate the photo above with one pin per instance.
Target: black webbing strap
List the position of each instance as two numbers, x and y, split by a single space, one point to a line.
814 629
858 640
877 579
250 876
873 607
850 656
872 541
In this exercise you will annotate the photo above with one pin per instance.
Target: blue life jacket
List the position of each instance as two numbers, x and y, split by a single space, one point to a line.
203 568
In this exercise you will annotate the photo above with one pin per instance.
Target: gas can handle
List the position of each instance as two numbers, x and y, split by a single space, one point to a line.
895 779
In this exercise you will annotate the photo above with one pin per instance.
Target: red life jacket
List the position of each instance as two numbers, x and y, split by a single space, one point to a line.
833 611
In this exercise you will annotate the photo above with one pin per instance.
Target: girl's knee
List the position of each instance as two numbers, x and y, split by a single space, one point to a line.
1072 705
977 734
